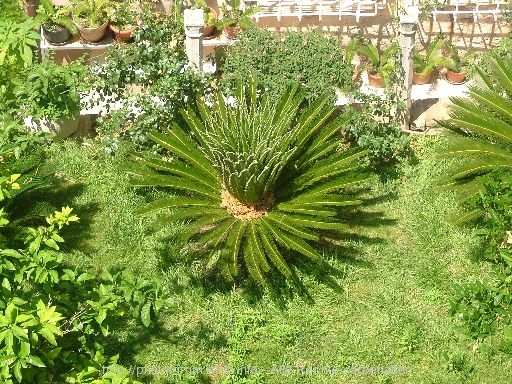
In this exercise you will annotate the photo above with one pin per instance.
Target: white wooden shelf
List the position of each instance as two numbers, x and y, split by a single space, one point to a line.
75 44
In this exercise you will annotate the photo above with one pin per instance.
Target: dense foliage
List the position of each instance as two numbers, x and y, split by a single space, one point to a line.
372 125
54 319
18 41
486 307
51 90
482 126
146 82
260 179
312 59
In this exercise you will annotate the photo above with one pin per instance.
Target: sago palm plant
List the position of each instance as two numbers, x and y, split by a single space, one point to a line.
482 126
257 181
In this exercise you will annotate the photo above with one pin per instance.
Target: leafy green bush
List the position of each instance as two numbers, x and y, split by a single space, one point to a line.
18 45
10 10
373 126
312 59
51 90
54 321
150 77
262 179
486 308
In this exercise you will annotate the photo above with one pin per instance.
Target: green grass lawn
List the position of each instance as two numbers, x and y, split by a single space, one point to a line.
396 281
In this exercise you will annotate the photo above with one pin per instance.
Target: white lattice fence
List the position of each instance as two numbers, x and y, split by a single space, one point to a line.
475 8
301 8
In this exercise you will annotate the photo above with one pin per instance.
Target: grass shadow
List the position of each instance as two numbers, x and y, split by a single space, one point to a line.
136 338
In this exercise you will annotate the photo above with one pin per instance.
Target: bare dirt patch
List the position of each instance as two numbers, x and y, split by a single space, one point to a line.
245 211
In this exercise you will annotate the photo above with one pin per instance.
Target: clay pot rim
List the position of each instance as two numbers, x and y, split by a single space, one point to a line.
117 30
104 25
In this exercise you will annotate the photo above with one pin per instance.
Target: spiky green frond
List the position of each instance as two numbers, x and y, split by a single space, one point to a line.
482 125
256 180
432 58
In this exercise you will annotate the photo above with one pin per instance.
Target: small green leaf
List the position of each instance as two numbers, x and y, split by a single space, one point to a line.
34 360
53 353
102 314
16 369
145 314
52 244
84 277
48 335
24 349
19 333
6 284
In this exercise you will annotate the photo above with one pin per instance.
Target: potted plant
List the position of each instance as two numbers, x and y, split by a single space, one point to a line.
457 65
210 16
91 18
235 18
49 98
56 22
425 64
380 66
125 20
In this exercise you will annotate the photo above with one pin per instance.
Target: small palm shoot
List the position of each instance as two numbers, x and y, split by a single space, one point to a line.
257 182
482 128
432 58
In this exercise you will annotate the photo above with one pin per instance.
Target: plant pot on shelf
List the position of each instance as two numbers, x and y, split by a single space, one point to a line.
455 77
92 35
232 31
375 80
123 35
209 29
421 78
56 35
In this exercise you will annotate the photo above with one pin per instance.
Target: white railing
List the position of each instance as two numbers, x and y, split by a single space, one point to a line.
320 8
475 8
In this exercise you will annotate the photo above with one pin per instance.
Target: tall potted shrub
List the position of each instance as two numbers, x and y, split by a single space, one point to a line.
49 97
380 65
234 18
457 65
56 22
210 16
424 64
92 18
125 20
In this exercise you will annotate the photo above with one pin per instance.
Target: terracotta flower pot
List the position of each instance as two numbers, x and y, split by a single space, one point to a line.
58 36
375 80
421 78
232 31
208 29
123 35
455 77
92 35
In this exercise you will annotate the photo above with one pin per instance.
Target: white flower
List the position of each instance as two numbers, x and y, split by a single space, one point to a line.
157 101
231 101
208 102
